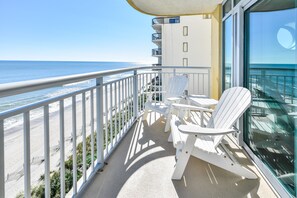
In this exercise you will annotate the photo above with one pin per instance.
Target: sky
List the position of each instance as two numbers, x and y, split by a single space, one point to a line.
79 30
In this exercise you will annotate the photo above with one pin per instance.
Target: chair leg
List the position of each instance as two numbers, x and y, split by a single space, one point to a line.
145 114
167 125
183 158
170 139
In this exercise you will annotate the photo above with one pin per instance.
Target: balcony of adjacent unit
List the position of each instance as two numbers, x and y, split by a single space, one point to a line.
158 21
95 144
157 52
157 38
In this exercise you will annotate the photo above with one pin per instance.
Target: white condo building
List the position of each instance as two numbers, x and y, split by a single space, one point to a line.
181 41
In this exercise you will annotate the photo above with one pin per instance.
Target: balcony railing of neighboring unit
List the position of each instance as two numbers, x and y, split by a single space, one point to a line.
157 52
157 65
165 20
156 36
87 126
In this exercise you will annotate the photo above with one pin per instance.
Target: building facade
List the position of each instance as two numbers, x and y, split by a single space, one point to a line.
181 42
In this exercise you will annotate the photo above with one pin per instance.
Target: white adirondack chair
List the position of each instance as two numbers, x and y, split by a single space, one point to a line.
206 143
173 93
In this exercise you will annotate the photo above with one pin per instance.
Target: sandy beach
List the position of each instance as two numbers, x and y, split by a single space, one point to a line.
14 147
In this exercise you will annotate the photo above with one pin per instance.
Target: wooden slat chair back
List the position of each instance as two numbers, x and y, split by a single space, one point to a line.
231 106
172 94
205 143
176 86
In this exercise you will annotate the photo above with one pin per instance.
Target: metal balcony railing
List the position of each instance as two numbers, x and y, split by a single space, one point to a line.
98 117
157 52
156 36
165 20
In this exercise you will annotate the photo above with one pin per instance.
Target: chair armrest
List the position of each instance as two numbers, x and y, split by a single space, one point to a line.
173 99
152 92
197 96
191 107
196 130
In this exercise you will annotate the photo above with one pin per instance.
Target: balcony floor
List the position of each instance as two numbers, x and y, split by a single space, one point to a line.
143 163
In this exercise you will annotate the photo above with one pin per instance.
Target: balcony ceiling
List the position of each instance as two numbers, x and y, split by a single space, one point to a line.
174 7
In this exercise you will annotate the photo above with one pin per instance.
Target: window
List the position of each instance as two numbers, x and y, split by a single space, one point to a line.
185 62
185 47
270 65
227 53
236 2
227 7
185 30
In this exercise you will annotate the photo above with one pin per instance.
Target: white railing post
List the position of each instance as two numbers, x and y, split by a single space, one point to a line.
46 152
27 171
62 149
135 94
74 159
2 164
92 127
209 82
99 123
84 137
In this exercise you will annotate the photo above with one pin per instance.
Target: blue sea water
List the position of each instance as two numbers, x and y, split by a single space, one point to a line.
15 71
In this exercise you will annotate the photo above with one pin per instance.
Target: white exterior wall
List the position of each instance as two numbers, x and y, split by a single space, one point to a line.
199 42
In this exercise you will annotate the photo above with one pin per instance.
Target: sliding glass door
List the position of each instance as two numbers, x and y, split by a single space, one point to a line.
271 76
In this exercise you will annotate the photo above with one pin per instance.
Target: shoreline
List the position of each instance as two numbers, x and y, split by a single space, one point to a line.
13 143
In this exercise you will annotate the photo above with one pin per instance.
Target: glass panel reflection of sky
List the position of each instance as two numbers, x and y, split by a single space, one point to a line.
227 52
273 37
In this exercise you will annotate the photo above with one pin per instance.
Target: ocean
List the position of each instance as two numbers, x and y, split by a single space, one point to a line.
15 71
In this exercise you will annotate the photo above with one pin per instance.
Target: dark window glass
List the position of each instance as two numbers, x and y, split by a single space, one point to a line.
227 7
236 2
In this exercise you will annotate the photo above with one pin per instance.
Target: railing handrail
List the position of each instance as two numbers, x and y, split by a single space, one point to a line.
14 88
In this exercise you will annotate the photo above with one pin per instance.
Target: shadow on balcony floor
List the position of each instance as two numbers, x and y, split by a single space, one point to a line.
142 165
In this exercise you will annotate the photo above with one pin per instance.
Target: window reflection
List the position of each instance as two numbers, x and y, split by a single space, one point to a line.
271 60
227 53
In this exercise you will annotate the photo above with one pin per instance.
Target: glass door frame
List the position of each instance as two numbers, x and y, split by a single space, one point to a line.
237 68
268 175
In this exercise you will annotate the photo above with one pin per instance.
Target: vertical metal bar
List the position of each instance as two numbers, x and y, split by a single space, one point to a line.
27 171
110 114
62 149
146 87
128 101
126 106
155 92
74 171
99 126
92 127
123 106
141 81
284 88
106 119
119 102
84 136
209 82
2 158
115 113
46 152
292 90
135 94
